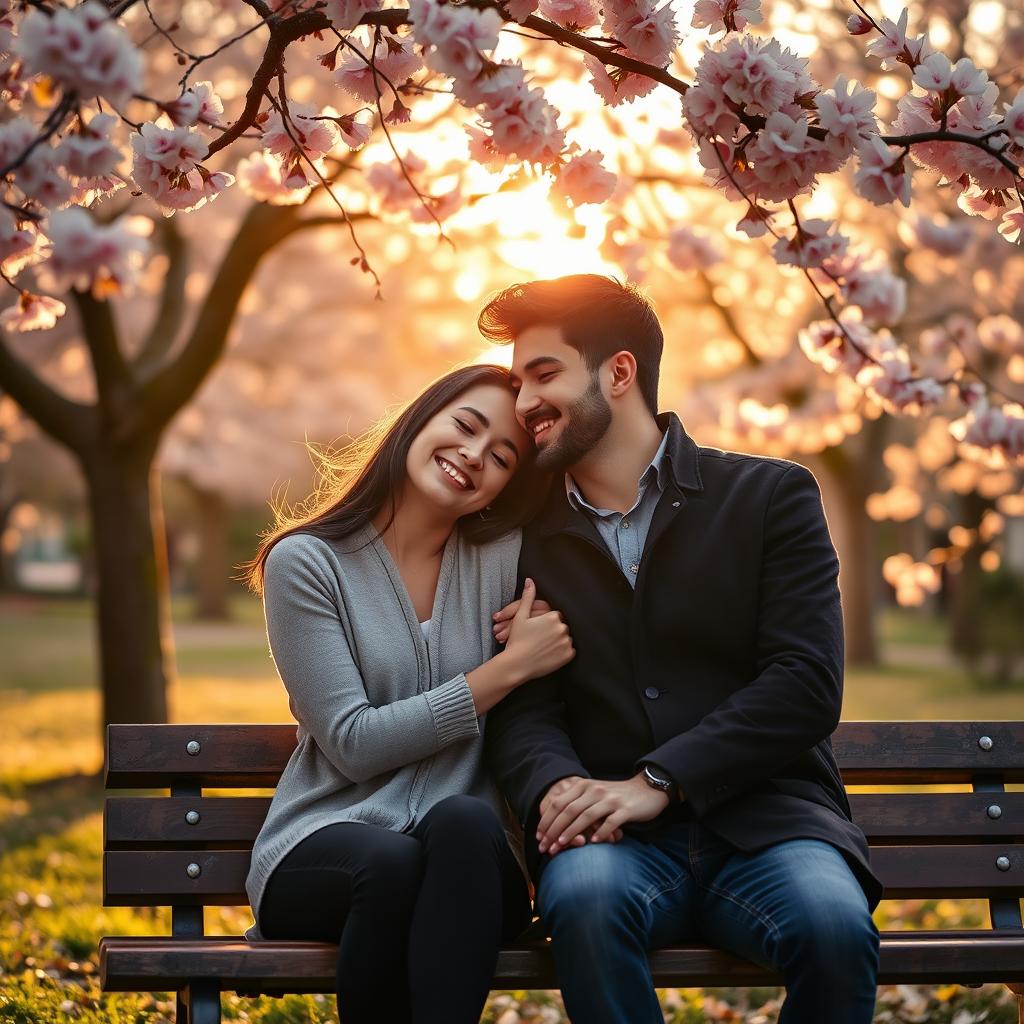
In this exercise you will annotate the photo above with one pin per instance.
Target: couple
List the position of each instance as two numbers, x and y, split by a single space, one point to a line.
659 722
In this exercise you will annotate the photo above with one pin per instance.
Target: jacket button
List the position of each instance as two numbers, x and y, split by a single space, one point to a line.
652 693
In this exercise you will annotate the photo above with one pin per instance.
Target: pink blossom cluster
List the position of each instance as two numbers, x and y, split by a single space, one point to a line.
571 14
18 243
397 196
726 15
845 347
86 254
198 104
646 30
692 249
949 239
993 428
894 382
616 86
394 61
167 168
814 243
869 284
582 179
750 111
82 49
259 176
32 313
520 122
346 14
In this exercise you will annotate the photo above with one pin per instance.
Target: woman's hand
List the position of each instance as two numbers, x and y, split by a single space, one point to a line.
503 619
537 643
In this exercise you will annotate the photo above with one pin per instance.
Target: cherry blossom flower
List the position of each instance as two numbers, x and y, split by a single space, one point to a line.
934 73
259 176
308 132
453 38
353 133
525 128
81 49
482 151
648 32
825 343
88 152
196 105
346 14
166 167
32 313
168 148
999 428
395 62
41 178
437 208
691 249
15 137
105 258
520 10
726 15
571 14
814 242
582 179
858 25
1012 226
1013 119
847 114
880 295
893 382
16 239
948 239
881 177
755 222
616 86
893 46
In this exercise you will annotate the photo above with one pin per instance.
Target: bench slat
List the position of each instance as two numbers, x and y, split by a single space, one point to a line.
154 822
161 964
138 821
140 756
159 878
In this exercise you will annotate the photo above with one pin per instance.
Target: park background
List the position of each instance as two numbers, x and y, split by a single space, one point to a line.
312 350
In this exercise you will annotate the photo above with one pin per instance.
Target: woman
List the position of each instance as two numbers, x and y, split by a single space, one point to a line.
384 834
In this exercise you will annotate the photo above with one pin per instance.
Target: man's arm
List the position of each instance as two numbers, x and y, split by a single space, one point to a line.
527 744
795 700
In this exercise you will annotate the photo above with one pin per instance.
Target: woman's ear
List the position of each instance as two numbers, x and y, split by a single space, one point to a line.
623 371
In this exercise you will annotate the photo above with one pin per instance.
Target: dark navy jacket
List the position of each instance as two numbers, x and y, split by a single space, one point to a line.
724 667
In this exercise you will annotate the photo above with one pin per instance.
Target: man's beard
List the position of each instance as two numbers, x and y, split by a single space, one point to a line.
586 421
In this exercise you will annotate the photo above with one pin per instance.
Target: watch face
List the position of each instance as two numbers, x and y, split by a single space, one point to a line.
654 780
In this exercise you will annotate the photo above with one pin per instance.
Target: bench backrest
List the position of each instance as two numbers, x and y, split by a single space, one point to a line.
191 849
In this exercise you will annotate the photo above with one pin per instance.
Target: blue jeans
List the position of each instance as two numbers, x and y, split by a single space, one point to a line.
795 907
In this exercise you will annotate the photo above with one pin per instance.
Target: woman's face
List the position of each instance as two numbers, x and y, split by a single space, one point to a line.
467 452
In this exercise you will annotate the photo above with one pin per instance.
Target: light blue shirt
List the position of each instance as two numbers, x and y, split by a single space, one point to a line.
625 534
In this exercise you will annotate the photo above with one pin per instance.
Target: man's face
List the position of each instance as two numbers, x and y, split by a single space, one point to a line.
560 403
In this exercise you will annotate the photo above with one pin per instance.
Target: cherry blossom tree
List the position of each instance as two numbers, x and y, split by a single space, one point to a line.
105 120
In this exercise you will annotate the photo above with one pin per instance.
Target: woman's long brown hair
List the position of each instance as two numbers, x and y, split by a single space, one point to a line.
356 482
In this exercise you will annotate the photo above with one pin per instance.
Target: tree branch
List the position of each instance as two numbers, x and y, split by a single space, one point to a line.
171 313
263 227
70 423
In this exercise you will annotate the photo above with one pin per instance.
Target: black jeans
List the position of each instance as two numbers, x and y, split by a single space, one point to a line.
418 917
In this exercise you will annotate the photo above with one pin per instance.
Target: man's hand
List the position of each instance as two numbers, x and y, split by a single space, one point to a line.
574 806
503 619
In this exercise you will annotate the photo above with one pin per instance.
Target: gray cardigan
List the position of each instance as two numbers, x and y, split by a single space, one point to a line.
387 726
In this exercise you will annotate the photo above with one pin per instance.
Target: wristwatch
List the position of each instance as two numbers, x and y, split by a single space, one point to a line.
655 781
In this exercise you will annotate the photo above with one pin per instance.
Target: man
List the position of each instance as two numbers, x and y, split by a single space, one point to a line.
700 588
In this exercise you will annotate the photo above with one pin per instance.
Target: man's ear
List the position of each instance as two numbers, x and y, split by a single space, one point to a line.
622 367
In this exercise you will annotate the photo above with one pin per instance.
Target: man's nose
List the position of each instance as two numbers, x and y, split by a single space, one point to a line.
526 402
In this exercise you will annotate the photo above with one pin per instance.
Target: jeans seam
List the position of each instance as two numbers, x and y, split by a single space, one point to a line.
749 908
648 898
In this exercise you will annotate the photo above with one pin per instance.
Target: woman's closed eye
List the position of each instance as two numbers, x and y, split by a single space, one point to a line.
467 429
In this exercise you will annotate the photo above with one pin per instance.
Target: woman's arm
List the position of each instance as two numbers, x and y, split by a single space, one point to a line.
325 688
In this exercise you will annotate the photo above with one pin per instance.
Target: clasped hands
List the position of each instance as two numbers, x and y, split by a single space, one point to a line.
575 811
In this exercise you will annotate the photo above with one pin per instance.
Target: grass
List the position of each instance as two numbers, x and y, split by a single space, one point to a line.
51 829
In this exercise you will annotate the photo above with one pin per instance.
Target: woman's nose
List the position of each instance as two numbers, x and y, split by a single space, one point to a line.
472 456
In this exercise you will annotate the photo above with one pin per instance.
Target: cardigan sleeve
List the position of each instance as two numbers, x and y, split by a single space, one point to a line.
325 688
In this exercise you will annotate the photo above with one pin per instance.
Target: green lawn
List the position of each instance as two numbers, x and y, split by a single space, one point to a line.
50 822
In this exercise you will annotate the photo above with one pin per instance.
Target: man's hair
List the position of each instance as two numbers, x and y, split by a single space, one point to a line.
597 315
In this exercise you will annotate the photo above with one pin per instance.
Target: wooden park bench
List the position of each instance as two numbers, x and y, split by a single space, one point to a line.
189 850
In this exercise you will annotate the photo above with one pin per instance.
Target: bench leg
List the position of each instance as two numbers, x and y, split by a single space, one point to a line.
199 1003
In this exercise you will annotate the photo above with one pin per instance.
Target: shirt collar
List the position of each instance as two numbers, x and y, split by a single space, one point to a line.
657 471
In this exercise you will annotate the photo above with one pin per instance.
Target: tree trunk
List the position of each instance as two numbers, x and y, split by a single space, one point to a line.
213 567
131 582
849 481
